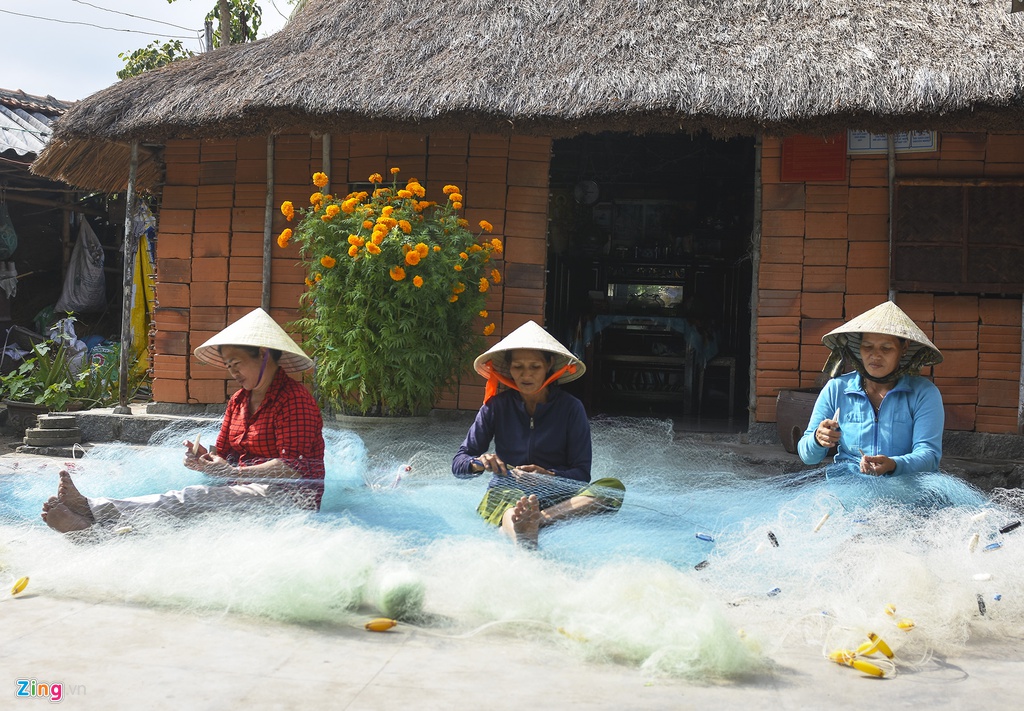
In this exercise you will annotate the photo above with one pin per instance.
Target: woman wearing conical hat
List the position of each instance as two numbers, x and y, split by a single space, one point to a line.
270 446
541 460
883 417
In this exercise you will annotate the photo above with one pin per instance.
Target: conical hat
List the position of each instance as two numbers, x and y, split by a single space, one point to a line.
257 329
532 336
887 318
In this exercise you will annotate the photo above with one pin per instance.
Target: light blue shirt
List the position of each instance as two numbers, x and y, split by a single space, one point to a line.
908 427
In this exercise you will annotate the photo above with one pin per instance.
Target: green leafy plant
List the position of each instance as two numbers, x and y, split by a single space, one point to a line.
397 290
46 378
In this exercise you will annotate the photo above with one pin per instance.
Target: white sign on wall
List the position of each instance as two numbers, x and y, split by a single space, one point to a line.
905 142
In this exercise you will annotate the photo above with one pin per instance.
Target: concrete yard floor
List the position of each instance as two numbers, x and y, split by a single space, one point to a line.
113 656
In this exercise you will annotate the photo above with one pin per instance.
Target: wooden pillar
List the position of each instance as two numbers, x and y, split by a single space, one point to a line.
128 271
755 266
268 226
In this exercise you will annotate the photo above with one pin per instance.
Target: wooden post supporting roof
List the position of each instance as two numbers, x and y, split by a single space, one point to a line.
268 226
128 270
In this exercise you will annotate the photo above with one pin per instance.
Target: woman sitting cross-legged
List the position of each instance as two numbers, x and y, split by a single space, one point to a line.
542 450
270 449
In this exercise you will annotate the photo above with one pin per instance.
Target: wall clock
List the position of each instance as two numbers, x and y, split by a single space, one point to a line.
586 192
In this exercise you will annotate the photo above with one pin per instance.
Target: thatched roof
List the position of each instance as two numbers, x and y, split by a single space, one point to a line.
574 66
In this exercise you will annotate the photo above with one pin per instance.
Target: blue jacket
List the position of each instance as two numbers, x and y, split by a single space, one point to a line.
557 437
908 429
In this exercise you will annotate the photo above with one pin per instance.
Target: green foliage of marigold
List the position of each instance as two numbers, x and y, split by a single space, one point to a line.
381 322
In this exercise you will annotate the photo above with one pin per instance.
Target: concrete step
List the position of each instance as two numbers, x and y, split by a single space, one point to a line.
40 437
56 421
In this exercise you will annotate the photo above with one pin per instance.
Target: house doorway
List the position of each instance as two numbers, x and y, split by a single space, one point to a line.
650 274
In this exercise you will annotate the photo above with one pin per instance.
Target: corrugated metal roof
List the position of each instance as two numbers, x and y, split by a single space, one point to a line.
26 121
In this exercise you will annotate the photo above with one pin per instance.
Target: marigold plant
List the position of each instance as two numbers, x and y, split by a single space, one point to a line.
387 317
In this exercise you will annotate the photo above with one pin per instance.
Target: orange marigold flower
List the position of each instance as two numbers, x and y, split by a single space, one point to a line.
449 189
495 276
349 206
375 178
496 243
459 287
397 273
455 197
437 248
462 222
320 179
372 248
456 205
417 281
325 218
288 209
405 194
457 267
378 236
484 284
395 170
453 298
381 192
483 314
387 210
406 248
488 329
317 277
316 198
309 282
327 261
352 239
353 251
486 226
463 255
422 249
474 248
412 257
284 238
389 223
332 210
416 189
405 226
367 225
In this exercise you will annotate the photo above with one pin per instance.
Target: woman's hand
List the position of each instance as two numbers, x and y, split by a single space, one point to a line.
194 449
492 463
827 434
211 464
877 465
527 474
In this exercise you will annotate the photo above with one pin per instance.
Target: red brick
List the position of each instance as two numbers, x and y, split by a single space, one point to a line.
826 225
524 199
167 390
784 250
529 173
213 219
177 271
525 250
172 367
959 363
996 420
1000 312
210 269
244 293
824 279
171 319
210 244
1005 148
868 227
956 308
856 304
869 254
919 307
957 391
182 173
248 219
783 196
172 295
251 148
960 417
213 174
209 293
209 318
825 252
248 269
206 391
525 224
994 393
286 271
294 146
411 167
178 197
827 198
869 201
176 221
487 169
869 171
406 144
172 343
822 306
999 339
481 144
778 303
253 171
867 281
777 276
960 168
491 195
182 150
445 169
250 244
777 356
174 246
286 295
536 148
812 359
778 329
771 169
770 382
216 149
998 366
782 223
812 329
470 396
766 409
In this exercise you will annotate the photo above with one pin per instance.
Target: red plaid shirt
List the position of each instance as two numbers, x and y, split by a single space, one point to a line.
286 426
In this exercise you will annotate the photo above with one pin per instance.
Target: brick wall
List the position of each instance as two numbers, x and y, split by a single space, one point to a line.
834 237
210 244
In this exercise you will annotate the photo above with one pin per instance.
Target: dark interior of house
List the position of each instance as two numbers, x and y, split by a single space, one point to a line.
649 272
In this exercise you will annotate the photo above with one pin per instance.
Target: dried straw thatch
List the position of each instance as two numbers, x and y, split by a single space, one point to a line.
573 66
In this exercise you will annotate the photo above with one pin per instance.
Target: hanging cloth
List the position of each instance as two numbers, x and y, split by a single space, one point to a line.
8 237
143 304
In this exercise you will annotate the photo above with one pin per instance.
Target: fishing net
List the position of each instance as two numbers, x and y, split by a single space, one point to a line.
711 565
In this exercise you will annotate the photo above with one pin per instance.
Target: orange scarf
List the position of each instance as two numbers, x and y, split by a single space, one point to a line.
494 377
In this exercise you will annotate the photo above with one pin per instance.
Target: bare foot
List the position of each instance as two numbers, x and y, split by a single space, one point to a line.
525 520
62 519
69 495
